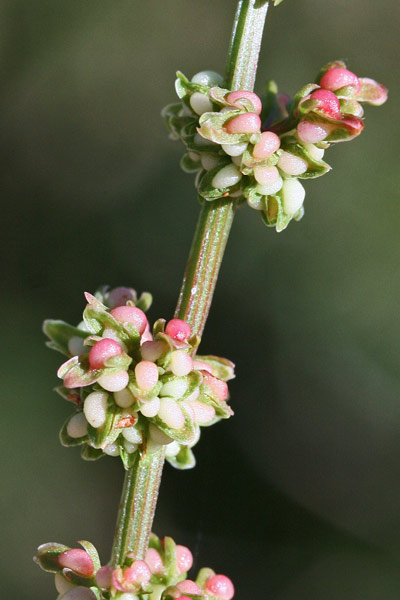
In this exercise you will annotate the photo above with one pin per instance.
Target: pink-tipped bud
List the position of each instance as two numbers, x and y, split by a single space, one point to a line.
104 577
181 363
235 97
336 78
131 314
146 374
268 144
138 573
102 351
221 587
266 175
189 587
119 296
245 123
312 133
328 102
77 560
184 559
199 365
154 561
218 387
178 330
146 335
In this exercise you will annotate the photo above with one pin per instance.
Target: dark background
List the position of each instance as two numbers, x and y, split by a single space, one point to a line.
298 496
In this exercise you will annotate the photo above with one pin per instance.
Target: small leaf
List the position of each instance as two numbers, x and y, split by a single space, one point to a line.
66 440
100 437
170 562
128 458
91 550
189 165
186 435
185 459
372 92
60 333
222 368
316 168
47 556
204 575
89 453
145 301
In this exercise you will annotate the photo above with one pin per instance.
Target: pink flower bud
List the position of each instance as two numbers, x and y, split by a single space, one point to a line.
189 587
178 330
146 335
202 413
184 559
137 573
235 97
221 587
154 561
130 314
268 144
328 102
336 78
312 133
146 374
102 351
266 175
77 560
245 123
104 577
119 296
218 388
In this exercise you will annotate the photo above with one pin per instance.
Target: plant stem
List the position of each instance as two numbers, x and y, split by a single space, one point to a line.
142 480
137 507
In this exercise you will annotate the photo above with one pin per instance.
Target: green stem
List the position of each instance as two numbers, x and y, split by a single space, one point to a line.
142 480
137 507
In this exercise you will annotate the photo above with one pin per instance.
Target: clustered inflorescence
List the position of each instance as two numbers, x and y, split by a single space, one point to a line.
134 390
162 575
247 149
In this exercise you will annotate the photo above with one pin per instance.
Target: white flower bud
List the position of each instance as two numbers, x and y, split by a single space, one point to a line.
292 164
314 152
174 389
210 78
268 190
209 161
234 149
200 103
171 413
237 160
226 177
172 449
132 435
114 382
129 447
123 398
159 436
293 195
150 408
95 408
181 363
62 585
77 426
112 449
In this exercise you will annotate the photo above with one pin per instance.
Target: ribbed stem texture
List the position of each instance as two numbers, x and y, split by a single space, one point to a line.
137 507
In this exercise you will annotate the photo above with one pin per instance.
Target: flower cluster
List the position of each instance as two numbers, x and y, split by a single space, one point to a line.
134 390
244 148
162 575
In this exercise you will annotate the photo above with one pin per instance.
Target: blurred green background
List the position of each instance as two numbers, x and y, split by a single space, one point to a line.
298 496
